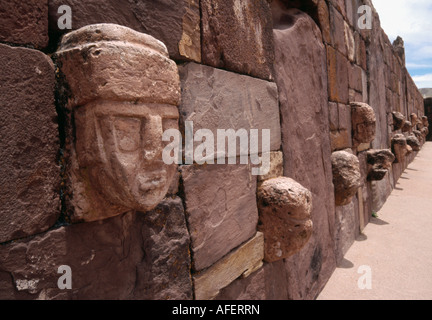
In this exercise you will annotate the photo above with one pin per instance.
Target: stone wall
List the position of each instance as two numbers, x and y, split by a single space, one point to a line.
428 112
345 120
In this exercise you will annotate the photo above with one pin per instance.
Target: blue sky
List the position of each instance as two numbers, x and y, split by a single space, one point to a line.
412 20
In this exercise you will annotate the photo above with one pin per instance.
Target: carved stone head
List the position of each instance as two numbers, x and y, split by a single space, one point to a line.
363 123
407 126
398 120
413 142
379 162
124 92
425 121
400 147
346 176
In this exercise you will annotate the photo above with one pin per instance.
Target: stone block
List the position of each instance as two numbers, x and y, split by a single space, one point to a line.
337 66
175 23
242 262
237 36
29 146
217 99
337 27
24 22
306 146
221 209
340 139
140 256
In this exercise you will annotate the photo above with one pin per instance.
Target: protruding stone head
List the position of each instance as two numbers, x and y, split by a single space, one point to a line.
346 176
363 123
425 121
379 162
398 120
285 217
414 119
407 126
124 95
419 136
400 147
413 142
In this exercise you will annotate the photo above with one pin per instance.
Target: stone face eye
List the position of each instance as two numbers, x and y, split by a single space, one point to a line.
127 134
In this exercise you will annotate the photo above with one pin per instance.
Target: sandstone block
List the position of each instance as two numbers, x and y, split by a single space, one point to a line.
24 22
338 30
284 217
340 139
338 81
216 99
133 256
346 176
237 36
242 262
175 23
29 144
221 209
306 148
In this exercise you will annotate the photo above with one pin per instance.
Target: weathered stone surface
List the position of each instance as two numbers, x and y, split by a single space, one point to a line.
120 82
24 22
398 120
175 23
276 166
306 148
379 162
347 227
340 139
337 66
221 209
237 36
132 256
242 262
337 30
284 217
346 176
124 64
413 142
216 99
363 123
407 126
400 147
425 121
29 144
250 288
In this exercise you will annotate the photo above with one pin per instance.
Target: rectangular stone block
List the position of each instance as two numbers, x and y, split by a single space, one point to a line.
175 23
29 144
24 22
334 116
141 256
221 209
237 36
242 262
216 99
340 139
337 66
337 27
355 77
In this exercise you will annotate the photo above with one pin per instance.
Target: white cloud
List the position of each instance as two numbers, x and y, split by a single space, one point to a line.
412 20
423 81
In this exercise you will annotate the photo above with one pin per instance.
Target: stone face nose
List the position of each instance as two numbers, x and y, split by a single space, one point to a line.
153 138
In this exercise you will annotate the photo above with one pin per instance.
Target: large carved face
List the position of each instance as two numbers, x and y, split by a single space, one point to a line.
119 147
363 123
